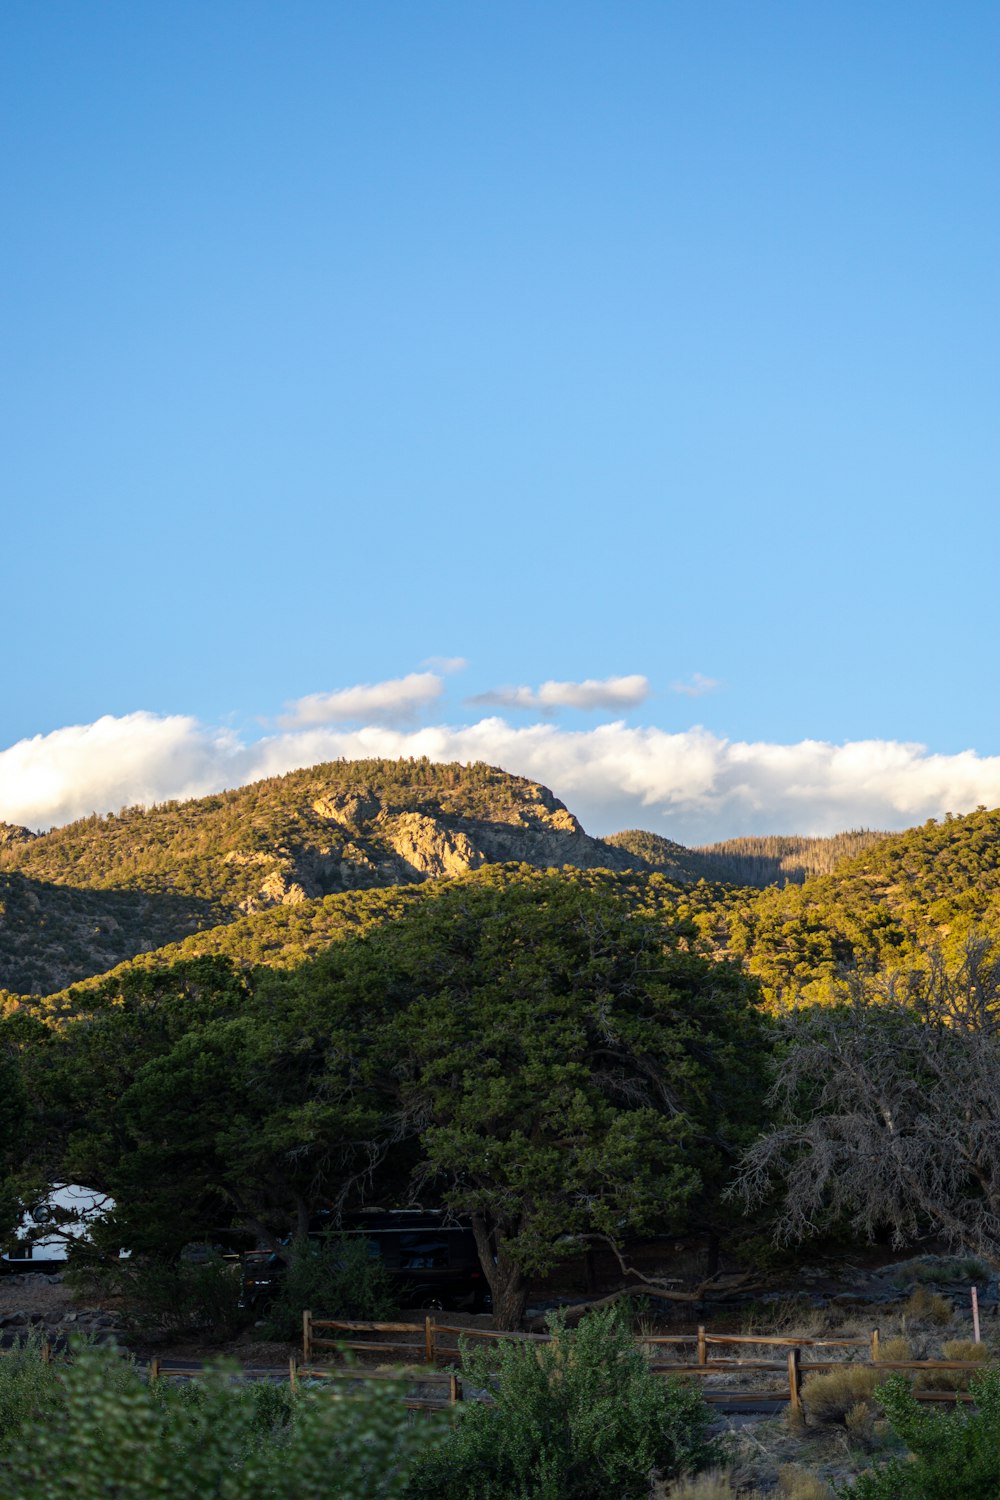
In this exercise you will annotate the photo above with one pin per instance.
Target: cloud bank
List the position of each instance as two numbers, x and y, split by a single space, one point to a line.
693 786
611 692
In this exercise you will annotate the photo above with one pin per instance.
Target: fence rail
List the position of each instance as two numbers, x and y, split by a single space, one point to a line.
435 1345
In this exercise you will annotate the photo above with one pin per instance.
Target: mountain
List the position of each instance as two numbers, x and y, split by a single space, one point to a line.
83 898
274 872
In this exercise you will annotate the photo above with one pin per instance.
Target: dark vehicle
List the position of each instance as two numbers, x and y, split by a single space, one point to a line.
432 1258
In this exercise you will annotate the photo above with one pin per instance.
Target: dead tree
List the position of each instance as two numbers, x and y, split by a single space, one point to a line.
888 1110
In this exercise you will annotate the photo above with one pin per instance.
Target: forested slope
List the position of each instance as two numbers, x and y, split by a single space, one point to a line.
83 898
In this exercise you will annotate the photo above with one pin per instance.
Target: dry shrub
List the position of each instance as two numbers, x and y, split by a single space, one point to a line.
860 1424
828 1398
928 1307
965 1349
895 1351
798 1484
712 1485
953 1380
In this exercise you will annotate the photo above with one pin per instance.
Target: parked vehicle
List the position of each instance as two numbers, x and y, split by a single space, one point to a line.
432 1258
43 1238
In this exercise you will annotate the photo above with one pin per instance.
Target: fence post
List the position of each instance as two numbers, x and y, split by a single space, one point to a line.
307 1318
428 1339
154 1370
702 1346
975 1316
46 1352
795 1381
293 1373
453 1391
874 1346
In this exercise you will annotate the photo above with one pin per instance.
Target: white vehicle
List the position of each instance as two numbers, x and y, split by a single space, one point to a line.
43 1236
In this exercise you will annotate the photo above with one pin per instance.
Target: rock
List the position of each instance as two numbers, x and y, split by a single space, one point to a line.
353 808
427 848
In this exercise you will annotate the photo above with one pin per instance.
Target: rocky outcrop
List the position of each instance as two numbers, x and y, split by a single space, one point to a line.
12 834
350 809
428 849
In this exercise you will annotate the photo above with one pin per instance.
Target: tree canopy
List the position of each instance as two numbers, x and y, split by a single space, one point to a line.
530 1053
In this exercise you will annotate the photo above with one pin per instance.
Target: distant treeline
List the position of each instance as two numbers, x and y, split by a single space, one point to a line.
776 860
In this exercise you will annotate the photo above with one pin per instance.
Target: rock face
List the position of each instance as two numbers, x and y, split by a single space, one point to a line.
427 849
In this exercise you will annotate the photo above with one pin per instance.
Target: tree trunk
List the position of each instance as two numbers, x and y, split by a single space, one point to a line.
509 1303
508 1284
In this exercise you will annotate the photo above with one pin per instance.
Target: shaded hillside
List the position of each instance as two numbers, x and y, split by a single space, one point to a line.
146 877
283 937
49 932
664 856
778 860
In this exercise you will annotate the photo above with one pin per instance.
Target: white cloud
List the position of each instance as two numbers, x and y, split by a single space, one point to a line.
114 763
696 686
612 692
392 702
446 664
693 786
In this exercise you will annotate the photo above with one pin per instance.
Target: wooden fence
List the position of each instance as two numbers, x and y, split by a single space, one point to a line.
439 1341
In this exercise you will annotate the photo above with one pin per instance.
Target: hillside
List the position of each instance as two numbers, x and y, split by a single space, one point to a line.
928 886
282 937
663 855
83 898
781 861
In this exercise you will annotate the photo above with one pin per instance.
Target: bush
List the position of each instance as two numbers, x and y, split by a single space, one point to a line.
580 1418
953 1380
107 1432
712 1485
895 1351
27 1386
956 1454
928 1307
828 1398
168 1299
796 1484
335 1277
793 1484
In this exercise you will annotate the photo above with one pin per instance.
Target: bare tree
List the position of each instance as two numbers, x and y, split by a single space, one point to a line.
887 1109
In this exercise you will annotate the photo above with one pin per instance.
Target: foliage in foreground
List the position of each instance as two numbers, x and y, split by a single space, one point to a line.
956 1454
95 1429
581 1418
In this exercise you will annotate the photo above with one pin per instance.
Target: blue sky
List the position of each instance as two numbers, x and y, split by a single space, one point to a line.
578 341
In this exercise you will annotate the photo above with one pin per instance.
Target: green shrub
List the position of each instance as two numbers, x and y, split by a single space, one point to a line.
335 1277
580 1418
956 1454
26 1386
107 1433
165 1298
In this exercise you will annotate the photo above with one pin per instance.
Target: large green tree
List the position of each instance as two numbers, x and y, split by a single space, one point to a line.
568 1068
